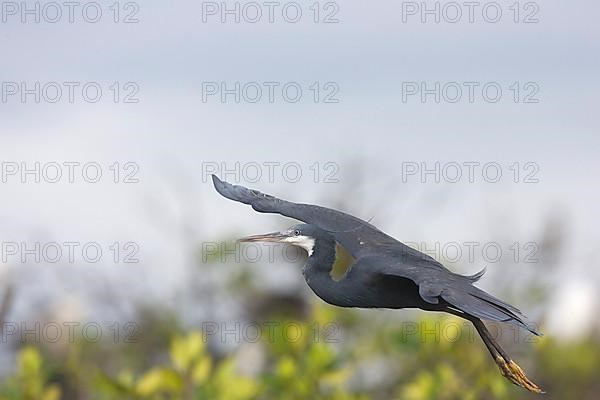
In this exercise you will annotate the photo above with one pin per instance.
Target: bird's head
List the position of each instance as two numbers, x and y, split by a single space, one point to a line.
301 235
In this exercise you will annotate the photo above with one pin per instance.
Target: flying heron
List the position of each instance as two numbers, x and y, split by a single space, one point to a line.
351 263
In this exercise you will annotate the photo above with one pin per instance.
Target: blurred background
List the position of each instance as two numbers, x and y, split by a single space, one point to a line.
471 134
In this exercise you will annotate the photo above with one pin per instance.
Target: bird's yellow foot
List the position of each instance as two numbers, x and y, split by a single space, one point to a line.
515 374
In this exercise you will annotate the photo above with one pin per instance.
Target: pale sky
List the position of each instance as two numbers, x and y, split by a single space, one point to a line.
364 61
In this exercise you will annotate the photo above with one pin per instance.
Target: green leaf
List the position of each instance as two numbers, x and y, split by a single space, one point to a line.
184 350
201 370
30 361
159 380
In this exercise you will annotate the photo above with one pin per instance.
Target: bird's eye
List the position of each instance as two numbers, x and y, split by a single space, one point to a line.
297 232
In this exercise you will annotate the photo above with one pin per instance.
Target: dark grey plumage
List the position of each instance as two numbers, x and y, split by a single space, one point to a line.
385 273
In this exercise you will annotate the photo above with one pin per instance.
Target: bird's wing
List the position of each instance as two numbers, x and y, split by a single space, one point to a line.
357 236
438 285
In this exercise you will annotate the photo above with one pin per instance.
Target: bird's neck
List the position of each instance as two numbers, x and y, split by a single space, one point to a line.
325 273
322 257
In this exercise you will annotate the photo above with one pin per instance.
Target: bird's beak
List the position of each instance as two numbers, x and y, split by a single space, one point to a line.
268 237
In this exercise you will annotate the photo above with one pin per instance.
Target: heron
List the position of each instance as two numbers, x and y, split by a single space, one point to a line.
351 263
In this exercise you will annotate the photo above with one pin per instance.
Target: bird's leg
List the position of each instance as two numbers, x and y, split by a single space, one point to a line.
508 367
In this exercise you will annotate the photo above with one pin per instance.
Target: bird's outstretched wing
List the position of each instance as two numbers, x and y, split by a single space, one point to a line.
357 236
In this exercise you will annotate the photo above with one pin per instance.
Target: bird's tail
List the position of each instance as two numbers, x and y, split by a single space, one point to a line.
478 303
508 367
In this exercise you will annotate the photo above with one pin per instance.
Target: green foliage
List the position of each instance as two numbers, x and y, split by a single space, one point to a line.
191 373
30 381
300 368
422 365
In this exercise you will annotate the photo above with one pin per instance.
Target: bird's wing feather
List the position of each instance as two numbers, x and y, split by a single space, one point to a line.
437 285
357 236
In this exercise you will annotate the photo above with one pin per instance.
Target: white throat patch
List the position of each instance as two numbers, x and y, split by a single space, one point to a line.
306 242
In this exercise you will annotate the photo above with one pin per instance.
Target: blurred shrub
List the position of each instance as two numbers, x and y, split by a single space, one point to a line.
312 366
30 381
